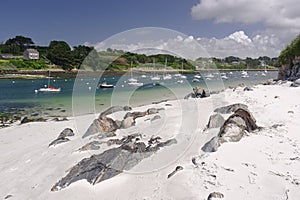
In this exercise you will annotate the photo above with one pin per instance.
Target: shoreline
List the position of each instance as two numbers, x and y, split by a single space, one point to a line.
58 73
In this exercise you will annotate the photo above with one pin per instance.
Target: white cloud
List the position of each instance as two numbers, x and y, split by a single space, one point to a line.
280 18
236 44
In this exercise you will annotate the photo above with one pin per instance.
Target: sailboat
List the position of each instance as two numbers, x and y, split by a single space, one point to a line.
245 73
155 77
265 71
167 76
182 76
48 88
133 81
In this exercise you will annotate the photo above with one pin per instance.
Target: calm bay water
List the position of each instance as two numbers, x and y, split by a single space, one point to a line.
18 96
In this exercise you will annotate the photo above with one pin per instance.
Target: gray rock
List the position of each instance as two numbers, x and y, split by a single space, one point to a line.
198 92
243 118
156 117
231 133
212 145
62 137
128 122
28 119
213 195
108 164
103 135
100 125
215 121
177 169
58 141
94 145
135 114
248 89
233 129
152 111
67 132
8 196
230 108
114 109
167 143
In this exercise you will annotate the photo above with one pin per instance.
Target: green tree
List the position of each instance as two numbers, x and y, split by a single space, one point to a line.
80 53
59 53
20 41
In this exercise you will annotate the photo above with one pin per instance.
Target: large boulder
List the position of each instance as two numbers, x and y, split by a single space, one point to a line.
233 129
215 121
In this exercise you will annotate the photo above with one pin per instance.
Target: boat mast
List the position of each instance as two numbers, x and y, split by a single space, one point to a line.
49 79
131 69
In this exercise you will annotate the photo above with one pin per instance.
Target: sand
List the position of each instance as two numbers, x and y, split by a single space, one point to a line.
263 165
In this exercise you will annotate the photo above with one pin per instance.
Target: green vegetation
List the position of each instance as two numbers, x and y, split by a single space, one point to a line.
60 55
288 54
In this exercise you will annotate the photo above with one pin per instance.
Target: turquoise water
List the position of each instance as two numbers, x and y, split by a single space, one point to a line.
83 97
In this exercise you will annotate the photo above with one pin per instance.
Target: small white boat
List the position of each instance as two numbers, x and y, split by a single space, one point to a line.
224 77
144 76
155 78
132 80
105 85
197 76
195 80
48 88
245 76
167 77
183 77
180 81
209 76
135 83
244 73
263 74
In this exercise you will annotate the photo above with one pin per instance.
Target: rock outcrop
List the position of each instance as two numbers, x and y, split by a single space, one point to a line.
234 128
105 124
111 162
290 72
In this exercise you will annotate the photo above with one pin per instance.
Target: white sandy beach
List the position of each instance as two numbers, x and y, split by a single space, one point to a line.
263 165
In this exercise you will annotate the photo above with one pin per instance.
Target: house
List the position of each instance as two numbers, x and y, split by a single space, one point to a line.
31 54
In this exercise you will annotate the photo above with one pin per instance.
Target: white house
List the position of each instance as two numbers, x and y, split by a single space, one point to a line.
31 54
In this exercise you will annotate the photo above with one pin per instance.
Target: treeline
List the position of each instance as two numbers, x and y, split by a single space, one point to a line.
58 53
63 56
287 55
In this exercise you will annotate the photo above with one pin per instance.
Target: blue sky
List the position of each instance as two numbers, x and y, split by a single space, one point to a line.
80 21
93 21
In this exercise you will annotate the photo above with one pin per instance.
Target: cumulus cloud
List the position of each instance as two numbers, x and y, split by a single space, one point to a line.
236 44
241 45
280 18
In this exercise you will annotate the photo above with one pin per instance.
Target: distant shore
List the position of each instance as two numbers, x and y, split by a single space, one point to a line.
59 73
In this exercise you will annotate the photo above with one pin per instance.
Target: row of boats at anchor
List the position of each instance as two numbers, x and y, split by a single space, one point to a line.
180 78
132 81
